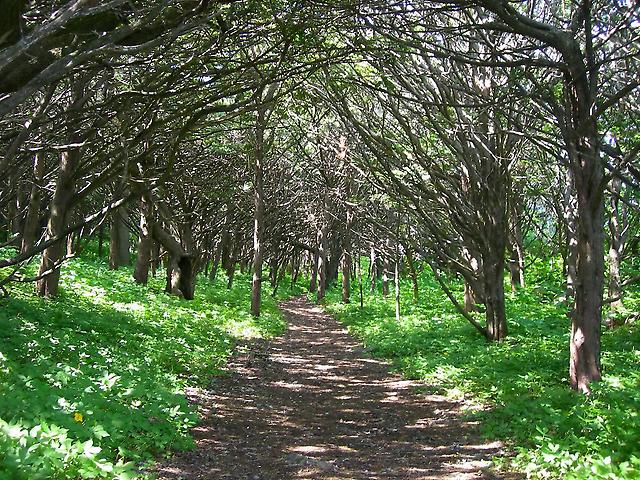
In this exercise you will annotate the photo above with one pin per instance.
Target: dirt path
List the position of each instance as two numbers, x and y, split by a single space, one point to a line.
312 405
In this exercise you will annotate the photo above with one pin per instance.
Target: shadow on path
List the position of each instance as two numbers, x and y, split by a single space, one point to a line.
311 405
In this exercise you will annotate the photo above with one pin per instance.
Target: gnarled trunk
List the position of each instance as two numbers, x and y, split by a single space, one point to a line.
145 241
315 261
59 211
617 238
119 239
516 248
373 274
586 318
496 321
322 260
346 255
31 229
571 236
181 266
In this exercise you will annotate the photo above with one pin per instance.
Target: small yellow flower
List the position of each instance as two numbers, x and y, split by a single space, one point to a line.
78 417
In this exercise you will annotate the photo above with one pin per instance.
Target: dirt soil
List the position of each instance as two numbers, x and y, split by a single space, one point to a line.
312 404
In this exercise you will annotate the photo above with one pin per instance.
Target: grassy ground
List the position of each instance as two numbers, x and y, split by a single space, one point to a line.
521 382
92 382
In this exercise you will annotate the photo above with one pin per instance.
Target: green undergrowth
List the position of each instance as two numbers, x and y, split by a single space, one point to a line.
93 382
521 383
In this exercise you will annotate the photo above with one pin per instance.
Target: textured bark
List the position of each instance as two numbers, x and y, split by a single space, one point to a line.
571 236
119 241
516 248
17 207
617 239
100 239
215 262
274 267
396 283
413 273
58 217
493 249
145 241
322 260
346 253
335 253
360 283
181 274
473 287
32 219
181 266
258 213
588 174
577 119
346 276
296 260
281 272
226 248
469 299
372 269
315 262
494 299
386 270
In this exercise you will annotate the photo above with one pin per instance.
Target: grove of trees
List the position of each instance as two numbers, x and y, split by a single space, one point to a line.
202 136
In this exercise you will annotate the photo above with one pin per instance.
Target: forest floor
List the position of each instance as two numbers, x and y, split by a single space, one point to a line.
312 404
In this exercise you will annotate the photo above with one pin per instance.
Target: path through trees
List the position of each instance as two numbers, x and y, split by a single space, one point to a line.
311 404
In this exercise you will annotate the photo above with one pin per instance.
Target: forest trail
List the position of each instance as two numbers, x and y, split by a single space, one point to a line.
312 405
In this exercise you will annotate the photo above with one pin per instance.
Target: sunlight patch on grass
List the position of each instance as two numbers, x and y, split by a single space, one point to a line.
93 382
521 382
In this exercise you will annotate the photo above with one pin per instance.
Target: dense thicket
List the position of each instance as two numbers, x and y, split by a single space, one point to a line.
213 135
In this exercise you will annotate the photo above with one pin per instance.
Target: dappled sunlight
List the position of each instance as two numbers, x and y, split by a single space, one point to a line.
99 375
310 405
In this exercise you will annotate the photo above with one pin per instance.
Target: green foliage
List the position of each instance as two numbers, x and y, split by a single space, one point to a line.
520 382
94 381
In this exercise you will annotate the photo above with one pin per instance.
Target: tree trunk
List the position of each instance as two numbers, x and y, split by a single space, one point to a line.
215 262
59 212
322 260
280 276
32 220
469 298
346 250
70 245
258 214
295 268
17 218
118 239
413 273
315 262
346 276
516 248
571 236
226 249
155 257
386 270
494 298
274 267
181 266
372 269
100 239
334 255
583 147
360 285
61 202
617 230
587 315
145 241
396 282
